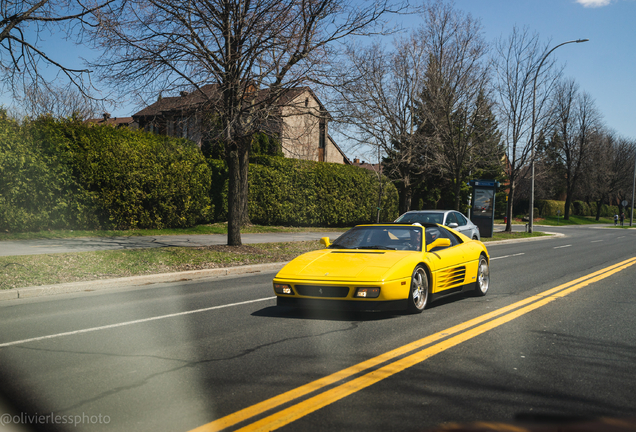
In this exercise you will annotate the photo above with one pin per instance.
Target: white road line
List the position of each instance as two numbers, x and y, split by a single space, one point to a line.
131 322
507 256
564 246
596 241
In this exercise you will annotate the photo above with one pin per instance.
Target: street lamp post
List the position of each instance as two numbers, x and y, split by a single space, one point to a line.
631 214
534 99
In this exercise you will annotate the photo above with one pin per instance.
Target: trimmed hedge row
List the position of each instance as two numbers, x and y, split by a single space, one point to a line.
293 192
577 208
62 174
36 188
306 193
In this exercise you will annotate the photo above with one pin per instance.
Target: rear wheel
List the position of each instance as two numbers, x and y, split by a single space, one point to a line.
483 277
418 296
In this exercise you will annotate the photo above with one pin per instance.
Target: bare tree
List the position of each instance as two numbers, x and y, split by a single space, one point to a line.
576 122
22 24
58 101
375 99
252 51
455 90
516 60
607 170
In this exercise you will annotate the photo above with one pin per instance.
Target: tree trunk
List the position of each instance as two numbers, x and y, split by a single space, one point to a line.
568 202
511 195
458 197
599 204
243 197
233 197
406 196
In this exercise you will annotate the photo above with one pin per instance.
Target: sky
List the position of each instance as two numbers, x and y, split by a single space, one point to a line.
604 67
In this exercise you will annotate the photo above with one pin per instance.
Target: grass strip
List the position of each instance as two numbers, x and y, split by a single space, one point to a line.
48 269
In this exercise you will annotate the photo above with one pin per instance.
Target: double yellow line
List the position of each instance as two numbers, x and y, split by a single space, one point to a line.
431 345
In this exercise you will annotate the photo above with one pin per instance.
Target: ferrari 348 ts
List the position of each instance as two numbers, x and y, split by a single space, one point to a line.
385 267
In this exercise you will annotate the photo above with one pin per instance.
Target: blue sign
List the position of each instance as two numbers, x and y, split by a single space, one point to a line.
484 183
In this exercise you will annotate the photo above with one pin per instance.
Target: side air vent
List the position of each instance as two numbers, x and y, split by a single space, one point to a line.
451 277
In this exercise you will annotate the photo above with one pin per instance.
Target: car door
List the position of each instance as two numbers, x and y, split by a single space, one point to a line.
462 224
448 265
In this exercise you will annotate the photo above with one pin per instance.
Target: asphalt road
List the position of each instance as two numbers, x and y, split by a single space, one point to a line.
173 357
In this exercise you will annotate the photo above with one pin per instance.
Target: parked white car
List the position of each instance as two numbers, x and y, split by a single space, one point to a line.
450 218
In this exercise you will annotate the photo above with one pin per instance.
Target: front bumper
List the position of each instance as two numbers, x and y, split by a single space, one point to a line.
321 294
341 305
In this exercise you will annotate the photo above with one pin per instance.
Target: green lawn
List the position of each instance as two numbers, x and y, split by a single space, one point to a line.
32 270
574 220
511 236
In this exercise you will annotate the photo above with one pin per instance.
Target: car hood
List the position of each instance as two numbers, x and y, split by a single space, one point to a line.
328 264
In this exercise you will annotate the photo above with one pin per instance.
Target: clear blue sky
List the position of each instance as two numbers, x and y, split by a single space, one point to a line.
605 67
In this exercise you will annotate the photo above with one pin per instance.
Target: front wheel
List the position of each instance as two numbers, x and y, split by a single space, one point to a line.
483 277
418 295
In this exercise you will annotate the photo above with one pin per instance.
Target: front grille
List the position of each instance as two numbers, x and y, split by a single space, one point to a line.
322 290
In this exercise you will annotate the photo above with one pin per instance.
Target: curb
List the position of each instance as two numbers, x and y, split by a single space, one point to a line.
100 284
550 235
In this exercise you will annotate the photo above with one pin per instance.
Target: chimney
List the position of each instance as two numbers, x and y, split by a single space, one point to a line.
106 116
184 93
356 160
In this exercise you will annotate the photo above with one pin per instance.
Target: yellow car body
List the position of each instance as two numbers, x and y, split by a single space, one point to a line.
385 267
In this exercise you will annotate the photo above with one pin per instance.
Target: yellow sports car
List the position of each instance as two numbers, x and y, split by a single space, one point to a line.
385 267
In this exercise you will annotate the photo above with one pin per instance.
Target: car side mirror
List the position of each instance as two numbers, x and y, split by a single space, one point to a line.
325 241
438 243
453 225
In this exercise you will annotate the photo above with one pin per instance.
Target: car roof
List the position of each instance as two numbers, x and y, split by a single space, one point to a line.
429 211
389 224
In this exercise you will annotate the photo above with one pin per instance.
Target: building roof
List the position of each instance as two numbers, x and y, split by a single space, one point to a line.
367 166
111 121
209 93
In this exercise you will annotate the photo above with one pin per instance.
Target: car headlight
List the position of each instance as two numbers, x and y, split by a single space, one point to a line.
283 289
367 292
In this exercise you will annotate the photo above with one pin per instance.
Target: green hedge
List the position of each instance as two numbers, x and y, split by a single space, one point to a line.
304 193
581 208
99 177
578 208
36 187
551 207
63 174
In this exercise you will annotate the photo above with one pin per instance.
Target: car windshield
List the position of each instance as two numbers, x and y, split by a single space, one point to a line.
428 217
381 238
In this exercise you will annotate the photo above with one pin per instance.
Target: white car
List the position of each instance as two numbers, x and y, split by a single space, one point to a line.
450 218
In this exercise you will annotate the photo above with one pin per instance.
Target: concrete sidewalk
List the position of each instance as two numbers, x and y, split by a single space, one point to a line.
92 244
